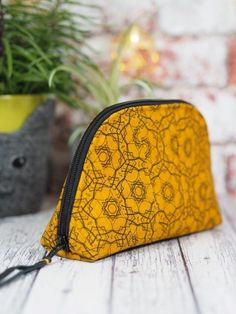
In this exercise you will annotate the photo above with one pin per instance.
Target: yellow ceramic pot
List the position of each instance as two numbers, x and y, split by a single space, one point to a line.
14 110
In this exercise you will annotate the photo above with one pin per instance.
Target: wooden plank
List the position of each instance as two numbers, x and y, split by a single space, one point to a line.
71 287
19 244
195 274
152 279
211 262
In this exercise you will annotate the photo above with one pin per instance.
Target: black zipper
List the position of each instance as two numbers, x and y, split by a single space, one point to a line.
79 158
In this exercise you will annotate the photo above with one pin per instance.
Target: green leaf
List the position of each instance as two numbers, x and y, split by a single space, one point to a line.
9 57
115 69
76 134
146 86
39 38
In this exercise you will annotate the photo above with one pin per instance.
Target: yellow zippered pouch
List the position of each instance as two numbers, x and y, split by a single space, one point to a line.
141 173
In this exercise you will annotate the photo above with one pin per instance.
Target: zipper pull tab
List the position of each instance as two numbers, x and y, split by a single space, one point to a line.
62 240
25 269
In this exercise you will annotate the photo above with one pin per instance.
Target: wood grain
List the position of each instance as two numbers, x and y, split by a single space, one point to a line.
19 244
152 279
211 262
192 274
71 287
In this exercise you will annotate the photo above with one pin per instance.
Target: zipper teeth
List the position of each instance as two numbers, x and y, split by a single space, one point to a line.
75 171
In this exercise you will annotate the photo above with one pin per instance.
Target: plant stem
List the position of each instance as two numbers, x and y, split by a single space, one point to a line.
1 29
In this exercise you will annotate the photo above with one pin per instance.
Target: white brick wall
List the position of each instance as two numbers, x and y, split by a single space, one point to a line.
117 13
190 61
175 17
197 44
179 17
224 179
184 61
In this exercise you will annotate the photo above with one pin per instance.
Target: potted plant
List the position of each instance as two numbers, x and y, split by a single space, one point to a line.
35 38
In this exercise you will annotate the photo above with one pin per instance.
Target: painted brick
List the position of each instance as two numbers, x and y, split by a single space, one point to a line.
231 175
192 61
116 14
198 60
224 169
183 61
232 61
178 17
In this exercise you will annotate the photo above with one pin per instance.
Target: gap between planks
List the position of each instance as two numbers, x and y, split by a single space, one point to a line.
211 260
194 274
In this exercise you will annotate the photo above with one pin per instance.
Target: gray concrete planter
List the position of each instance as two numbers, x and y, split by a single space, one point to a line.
24 163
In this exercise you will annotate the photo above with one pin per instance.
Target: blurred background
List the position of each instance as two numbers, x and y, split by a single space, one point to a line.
196 45
121 50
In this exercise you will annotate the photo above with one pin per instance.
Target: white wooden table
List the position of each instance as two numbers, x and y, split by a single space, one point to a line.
192 274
